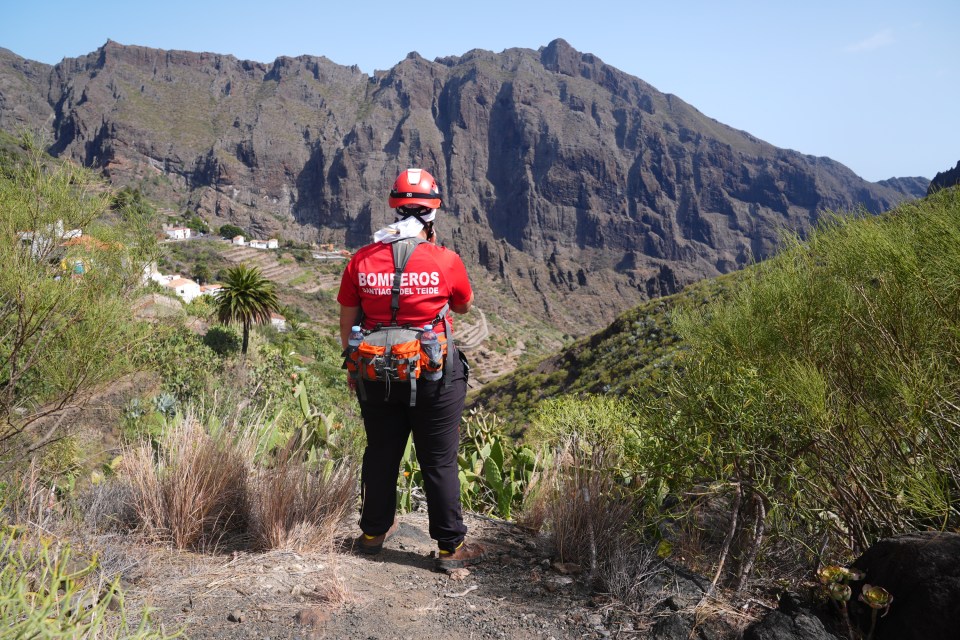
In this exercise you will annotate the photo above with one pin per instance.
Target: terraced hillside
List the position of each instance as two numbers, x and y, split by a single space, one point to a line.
282 269
472 335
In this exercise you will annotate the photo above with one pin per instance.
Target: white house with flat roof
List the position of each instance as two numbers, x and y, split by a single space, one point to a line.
187 289
272 243
177 233
212 290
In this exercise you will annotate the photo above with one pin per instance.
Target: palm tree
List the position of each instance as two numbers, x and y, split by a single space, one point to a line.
246 298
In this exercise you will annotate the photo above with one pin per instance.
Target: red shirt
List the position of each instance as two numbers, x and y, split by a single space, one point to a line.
433 277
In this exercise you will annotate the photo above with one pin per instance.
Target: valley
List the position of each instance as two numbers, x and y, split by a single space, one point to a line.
708 374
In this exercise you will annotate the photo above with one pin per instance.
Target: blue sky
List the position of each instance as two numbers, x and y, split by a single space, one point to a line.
874 85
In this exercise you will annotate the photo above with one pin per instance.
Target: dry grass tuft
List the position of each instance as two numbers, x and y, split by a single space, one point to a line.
590 516
294 508
536 499
587 511
626 569
716 617
141 470
107 506
30 501
198 487
193 490
335 591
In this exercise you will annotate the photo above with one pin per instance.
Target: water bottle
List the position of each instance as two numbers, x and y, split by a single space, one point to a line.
431 347
354 340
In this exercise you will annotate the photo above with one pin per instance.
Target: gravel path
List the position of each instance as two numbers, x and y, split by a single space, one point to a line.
516 593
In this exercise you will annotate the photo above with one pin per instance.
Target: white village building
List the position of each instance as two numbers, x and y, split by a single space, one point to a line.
212 290
42 241
185 288
177 233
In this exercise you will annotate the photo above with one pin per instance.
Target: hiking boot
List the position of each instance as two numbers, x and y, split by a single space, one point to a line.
373 545
464 556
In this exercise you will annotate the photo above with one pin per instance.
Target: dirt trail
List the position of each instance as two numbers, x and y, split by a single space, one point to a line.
396 594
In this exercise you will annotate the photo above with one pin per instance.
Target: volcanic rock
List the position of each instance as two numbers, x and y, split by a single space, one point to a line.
579 188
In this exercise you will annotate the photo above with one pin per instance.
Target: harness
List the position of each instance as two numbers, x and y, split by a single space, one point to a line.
392 352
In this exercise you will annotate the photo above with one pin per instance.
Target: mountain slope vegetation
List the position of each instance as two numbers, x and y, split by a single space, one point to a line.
629 356
817 395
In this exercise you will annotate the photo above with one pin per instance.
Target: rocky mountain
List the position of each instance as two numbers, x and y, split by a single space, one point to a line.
570 187
944 179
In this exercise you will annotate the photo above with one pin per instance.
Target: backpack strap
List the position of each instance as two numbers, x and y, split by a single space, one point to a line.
410 378
444 317
413 387
402 250
360 388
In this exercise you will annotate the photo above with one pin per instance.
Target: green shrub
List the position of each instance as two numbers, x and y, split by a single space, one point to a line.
192 220
62 460
186 365
131 203
45 593
596 421
223 341
64 301
230 231
201 273
200 307
141 422
824 392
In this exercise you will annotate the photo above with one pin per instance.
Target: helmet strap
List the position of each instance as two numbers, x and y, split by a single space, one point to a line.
411 213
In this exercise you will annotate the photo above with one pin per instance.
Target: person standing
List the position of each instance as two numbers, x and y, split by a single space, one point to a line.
435 280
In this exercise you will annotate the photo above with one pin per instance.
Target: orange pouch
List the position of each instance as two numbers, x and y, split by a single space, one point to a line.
391 353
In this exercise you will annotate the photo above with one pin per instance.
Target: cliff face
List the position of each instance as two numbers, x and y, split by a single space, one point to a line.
579 187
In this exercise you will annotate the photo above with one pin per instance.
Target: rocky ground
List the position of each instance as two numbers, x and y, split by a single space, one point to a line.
517 593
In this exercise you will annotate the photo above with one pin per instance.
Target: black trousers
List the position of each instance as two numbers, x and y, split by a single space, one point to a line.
435 424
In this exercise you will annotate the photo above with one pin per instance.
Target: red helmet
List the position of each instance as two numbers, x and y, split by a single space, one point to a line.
415 187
